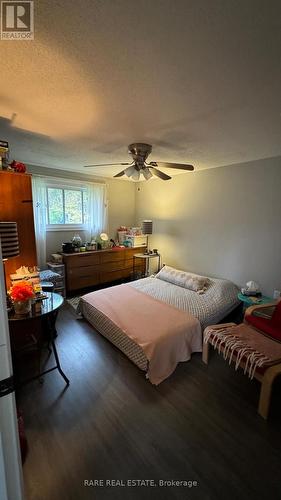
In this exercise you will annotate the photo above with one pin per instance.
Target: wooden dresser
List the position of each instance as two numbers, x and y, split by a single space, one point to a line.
87 269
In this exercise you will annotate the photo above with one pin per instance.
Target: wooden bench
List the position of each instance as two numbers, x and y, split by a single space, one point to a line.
265 375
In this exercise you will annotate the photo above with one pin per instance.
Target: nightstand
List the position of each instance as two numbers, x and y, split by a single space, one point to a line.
146 257
249 300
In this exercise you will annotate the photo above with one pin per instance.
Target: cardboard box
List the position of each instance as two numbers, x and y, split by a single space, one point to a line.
32 277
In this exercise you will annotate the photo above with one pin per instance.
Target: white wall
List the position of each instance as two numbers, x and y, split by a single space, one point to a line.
121 205
221 222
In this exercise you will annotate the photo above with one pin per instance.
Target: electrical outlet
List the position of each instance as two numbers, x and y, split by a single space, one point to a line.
276 294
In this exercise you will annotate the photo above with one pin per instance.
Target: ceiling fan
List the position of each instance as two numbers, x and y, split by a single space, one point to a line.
139 165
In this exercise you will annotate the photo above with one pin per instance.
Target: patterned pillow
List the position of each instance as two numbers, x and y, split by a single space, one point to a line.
185 279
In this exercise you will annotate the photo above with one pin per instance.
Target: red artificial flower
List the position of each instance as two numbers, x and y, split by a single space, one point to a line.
22 291
18 166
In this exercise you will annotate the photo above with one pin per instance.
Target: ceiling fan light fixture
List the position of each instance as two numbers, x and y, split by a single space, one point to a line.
129 171
139 152
146 173
136 175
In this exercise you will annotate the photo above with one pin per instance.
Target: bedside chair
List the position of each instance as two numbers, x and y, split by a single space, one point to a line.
268 328
270 325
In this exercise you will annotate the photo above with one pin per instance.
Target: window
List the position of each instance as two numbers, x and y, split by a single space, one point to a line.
66 207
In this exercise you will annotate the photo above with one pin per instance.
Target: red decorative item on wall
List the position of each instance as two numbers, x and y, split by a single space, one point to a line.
17 166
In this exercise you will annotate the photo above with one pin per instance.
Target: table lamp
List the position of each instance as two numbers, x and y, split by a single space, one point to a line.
147 229
9 241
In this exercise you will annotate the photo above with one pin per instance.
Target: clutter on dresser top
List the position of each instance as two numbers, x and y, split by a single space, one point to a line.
131 236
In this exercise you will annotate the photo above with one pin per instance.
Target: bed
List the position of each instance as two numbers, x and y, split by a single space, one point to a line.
157 323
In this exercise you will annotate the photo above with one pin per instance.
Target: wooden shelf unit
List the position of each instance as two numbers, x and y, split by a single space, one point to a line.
87 269
16 205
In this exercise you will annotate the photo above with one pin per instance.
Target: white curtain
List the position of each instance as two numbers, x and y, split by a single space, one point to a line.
40 218
96 212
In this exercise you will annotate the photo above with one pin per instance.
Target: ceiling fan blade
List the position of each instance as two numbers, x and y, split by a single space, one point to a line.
160 174
107 165
120 174
163 164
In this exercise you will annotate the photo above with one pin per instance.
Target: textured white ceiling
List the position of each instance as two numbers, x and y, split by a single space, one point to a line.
199 80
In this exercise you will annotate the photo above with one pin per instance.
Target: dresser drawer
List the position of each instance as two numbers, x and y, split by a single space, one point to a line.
76 272
112 276
82 282
112 256
112 266
128 273
128 263
81 260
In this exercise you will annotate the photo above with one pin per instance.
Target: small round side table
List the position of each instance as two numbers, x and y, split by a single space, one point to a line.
146 257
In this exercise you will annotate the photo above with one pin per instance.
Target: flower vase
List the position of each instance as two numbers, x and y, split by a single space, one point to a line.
22 307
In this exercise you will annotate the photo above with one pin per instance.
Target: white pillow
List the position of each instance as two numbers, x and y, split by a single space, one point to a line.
185 279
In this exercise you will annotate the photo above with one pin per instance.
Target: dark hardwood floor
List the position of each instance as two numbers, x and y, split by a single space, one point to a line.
110 423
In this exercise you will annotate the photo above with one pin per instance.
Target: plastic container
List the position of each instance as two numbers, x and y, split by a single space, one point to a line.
137 241
121 236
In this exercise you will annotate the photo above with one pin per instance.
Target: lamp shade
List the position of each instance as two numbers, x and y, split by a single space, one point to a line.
147 226
9 239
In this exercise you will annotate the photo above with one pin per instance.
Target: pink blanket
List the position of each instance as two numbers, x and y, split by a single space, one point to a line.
166 334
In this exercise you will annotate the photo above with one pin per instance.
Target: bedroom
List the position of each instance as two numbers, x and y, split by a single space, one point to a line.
208 94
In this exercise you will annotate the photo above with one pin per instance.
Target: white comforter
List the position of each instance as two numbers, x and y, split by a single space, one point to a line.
219 299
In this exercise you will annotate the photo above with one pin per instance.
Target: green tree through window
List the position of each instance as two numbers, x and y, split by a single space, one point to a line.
66 206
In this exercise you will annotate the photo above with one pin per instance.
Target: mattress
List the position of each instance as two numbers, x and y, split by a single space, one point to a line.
212 306
112 333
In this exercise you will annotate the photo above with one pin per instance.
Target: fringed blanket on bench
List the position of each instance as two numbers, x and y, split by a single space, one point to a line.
245 343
